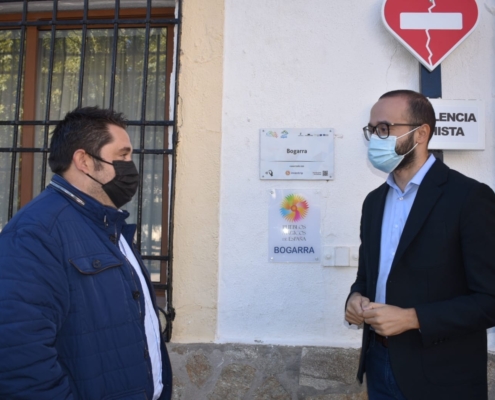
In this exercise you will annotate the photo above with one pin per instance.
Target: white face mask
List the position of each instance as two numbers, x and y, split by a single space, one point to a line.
382 154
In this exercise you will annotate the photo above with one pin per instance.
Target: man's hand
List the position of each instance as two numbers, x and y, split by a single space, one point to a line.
389 320
355 307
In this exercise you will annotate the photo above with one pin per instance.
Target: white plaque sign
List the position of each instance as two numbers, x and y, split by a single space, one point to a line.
296 154
294 226
460 125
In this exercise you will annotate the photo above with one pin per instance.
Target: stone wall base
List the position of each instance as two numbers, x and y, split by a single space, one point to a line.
262 372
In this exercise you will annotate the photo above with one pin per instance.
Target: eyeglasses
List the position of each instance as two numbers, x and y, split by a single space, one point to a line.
382 130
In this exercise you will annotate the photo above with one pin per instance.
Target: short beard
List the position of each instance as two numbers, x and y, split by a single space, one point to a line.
409 158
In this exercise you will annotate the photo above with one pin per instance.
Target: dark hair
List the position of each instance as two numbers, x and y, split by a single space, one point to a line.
83 128
420 109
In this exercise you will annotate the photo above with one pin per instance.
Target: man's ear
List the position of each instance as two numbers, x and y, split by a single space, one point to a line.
82 161
423 134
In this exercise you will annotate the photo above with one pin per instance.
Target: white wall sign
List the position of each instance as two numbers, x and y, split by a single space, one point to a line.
294 226
460 125
296 154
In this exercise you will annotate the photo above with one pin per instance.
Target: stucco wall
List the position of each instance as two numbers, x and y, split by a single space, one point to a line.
196 216
288 64
296 64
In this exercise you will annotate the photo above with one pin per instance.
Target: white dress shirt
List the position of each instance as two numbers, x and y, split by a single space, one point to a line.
151 325
397 207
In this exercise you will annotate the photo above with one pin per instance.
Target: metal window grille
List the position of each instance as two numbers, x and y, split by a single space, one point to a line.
19 128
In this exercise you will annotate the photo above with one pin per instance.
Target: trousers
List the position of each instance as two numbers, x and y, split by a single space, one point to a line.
380 379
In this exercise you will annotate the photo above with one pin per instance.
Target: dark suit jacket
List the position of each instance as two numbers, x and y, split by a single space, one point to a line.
444 267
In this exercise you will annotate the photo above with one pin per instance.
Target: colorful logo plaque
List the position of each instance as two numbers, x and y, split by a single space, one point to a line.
294 226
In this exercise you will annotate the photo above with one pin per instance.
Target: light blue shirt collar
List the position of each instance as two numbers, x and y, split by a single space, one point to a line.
417 178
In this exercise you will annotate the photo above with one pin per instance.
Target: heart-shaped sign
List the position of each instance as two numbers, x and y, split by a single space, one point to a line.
430 29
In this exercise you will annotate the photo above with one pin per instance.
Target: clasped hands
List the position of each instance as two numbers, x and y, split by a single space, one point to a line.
385 319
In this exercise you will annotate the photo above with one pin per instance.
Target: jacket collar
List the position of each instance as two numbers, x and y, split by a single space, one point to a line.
103 216
430 190
376 228
428 194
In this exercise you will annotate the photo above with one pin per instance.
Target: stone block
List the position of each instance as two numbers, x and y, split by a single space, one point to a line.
340 396
177 389
271 389
491 376
328 368
234 382
198 368
177 348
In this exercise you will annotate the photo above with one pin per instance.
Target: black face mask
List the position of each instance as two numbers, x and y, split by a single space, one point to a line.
123 186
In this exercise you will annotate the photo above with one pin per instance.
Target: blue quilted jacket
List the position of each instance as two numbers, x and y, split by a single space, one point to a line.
71 313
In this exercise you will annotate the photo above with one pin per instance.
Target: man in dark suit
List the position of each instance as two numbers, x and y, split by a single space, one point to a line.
425 287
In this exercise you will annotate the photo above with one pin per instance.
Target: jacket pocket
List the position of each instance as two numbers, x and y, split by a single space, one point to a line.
456 361
96 263
101 294
138 394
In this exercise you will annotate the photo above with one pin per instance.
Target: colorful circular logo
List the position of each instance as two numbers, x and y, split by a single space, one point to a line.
294 208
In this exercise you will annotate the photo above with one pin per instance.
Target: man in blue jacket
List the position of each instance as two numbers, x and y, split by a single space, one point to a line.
78 315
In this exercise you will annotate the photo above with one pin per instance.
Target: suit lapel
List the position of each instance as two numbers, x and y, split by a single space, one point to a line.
376 230
428 194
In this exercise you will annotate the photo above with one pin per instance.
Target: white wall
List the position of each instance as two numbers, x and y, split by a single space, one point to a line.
316 64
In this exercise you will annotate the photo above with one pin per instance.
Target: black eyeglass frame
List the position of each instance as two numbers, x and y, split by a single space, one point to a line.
369 130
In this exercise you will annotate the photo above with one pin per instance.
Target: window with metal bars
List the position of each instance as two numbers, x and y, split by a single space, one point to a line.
59 55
